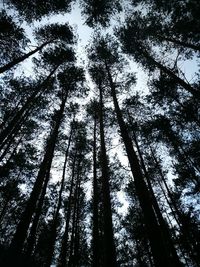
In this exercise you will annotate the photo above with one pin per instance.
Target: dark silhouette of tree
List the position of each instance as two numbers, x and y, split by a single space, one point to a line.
110 178
71 239
99 12
183 19
134 45
108 58
108 237
13 38
39 189
93 111
36 10
48 35
12 127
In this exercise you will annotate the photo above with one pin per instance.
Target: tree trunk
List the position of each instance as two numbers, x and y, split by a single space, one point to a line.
33 231
163 225
71 262
189 238
10 139
63 253
13 124
180 43
108 237
166 70
16 61
22 228
52 240
161 256
95 218
4 209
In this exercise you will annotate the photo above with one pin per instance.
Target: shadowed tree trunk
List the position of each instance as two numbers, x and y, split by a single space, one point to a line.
72 260
163 225
13 126
16 61
95 233
181 43
33 231
64 244
161 256
190 239
53 233
108 236
166 70
22 228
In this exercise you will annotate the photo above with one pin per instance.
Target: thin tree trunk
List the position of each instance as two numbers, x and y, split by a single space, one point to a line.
108 237
16 61
10 139
32 235
190 239
163 225
4 209
181 43
63 252
53 233
74 222
95 230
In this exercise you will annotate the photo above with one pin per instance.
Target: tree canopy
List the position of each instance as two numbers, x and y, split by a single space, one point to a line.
99 138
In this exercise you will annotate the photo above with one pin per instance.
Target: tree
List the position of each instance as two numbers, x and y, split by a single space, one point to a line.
62 56
48 35
39 189
12 36
99 12
108 236
92 111
134 45
108 59
35 10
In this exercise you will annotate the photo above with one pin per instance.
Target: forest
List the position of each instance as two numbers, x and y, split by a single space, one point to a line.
99 133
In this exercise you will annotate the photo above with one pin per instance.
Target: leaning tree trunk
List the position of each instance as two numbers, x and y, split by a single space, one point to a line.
169 72
190 242
180 43
13 126
16 61
161 256
22 228
163 225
